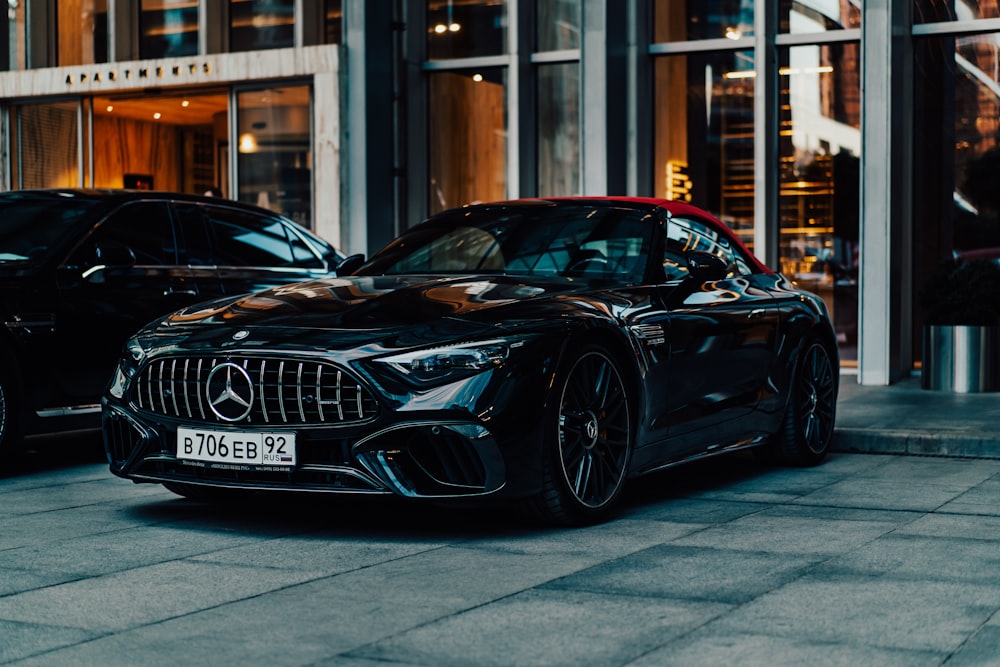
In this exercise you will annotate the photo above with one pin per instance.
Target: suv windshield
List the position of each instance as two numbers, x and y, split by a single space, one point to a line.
30 227
600 242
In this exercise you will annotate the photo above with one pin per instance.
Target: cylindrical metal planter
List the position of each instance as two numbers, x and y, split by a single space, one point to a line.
961 359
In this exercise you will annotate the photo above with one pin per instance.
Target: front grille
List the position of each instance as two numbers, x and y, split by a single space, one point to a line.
284 391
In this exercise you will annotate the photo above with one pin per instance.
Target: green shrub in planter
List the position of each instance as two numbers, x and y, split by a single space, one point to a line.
962 294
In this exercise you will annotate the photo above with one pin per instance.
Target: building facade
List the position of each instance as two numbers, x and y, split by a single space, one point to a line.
851 143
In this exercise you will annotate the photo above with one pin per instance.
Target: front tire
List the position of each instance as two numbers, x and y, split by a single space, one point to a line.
812 404
589 446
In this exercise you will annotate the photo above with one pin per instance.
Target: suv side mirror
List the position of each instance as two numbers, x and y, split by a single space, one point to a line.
350 265
705 267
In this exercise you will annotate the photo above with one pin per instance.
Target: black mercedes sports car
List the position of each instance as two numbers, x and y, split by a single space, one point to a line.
542 351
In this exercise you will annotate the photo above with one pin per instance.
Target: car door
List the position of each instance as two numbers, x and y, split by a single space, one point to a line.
123 275
721 336
253 251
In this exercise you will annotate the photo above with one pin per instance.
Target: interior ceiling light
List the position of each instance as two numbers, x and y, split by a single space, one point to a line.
440 28
185 104
477 77
156 115
248 143
110 108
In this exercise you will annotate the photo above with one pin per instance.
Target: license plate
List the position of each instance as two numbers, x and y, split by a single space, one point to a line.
257 448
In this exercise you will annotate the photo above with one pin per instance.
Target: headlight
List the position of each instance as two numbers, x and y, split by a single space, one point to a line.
128 364
445 364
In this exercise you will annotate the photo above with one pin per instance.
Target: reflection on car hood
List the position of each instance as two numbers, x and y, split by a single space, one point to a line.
373 303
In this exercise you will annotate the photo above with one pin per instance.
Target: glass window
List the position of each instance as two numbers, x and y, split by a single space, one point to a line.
820 158
602 242
261 24
243 239
333 22
685 20
82 28
466 28
468 137
32 225
168 28
684 234
559 129
558 25
142 227
12 38
798 16
931 11
274 144
704 134
45 150
956 149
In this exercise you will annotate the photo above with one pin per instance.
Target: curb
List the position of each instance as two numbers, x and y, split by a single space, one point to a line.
873 441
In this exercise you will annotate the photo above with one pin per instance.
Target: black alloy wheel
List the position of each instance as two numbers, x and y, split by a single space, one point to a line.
808 427
589 458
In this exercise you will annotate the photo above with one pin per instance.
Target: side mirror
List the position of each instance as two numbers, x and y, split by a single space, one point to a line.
705 267
350 265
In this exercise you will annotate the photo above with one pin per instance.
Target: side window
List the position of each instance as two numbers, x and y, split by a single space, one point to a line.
143 227
685 234
244 239
193 230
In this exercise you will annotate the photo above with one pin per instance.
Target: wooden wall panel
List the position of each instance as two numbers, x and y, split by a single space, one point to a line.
468 141
123 146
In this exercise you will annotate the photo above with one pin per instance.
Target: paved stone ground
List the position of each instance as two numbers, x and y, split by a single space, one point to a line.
865 560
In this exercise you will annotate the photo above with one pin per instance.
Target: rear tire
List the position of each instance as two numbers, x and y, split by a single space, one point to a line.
589 442
812 404
10 412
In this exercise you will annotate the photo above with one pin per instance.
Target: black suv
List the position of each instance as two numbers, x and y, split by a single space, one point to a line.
81 270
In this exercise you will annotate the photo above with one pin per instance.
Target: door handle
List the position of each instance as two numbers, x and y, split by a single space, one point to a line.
756 314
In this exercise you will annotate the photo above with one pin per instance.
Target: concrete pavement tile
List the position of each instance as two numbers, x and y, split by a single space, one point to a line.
921 558
696 573
982 499
14 481
580 629
881 494
144 595
846 464
95 555
706 647
941 524
800 534
315 620
935 470
62 496
15 580
983 648
320 553
591 543
876 611
22 640
692 511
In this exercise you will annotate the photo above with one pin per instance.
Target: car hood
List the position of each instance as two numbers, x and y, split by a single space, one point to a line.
399 311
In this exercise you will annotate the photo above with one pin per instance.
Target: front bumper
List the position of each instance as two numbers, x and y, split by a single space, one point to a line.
429 459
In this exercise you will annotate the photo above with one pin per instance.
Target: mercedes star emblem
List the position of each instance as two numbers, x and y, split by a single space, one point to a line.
230 392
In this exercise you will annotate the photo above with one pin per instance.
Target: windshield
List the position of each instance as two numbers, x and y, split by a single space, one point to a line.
30 227
600 242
